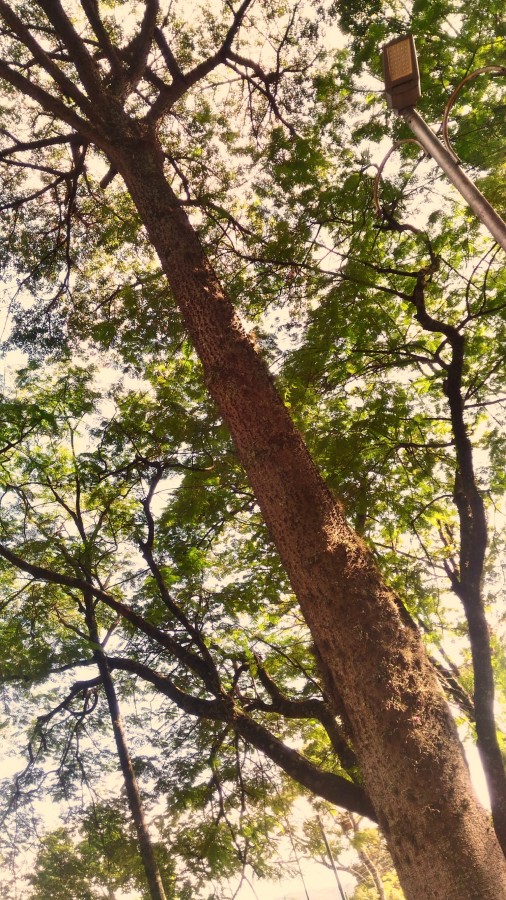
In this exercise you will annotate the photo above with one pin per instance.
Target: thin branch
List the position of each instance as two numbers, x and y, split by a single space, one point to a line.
168 97
24 34
26 146
191 660
212 679
77 688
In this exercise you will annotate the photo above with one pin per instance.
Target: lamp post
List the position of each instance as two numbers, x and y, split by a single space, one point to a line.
402 86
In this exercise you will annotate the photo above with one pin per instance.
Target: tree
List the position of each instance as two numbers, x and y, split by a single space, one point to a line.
370 865
92 510
118 96
104 860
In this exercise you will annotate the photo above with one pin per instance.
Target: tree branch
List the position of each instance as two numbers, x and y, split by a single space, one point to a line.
180 85
138 49
467 582
311 708
213 681
168 56
23 33
87 68
91 11
26 146
77 688
50 104
331 787
191 660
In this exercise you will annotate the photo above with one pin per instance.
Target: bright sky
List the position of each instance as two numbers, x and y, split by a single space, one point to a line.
320 884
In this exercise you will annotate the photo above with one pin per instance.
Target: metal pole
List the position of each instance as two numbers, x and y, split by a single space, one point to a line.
331 858
480 206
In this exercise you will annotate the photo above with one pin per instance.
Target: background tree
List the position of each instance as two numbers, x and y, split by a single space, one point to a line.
105 859
344 844
53 487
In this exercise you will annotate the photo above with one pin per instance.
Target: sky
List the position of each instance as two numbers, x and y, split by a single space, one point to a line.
320 884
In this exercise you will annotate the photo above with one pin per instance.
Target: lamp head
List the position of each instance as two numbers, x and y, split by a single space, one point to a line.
402 78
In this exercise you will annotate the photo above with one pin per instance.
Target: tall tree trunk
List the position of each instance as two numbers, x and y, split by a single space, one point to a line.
440 838
466 578
153 878
467 585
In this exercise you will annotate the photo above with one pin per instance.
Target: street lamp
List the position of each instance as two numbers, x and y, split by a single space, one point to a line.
402 78
402 86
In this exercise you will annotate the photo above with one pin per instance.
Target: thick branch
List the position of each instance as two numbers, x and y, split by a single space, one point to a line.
191 660
216 710
311 708
67 86
50 104
328 785
168 56
138 49
90 8
87 68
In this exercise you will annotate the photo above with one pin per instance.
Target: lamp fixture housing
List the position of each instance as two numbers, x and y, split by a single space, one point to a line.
402 77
